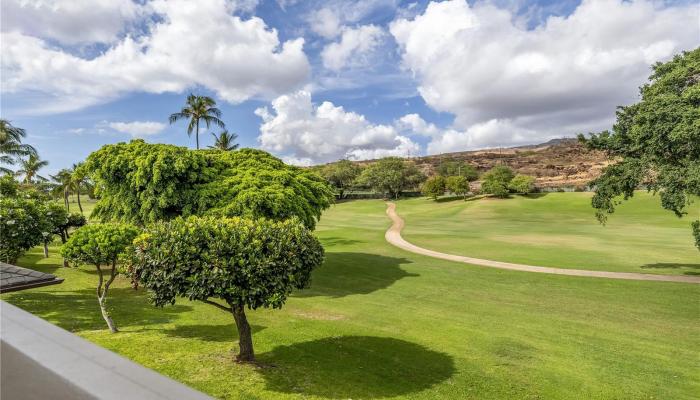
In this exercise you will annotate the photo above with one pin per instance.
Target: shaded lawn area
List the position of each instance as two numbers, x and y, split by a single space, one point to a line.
382 323
557 230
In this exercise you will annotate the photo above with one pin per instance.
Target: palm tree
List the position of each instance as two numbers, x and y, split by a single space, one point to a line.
11 145
198 108
225 141
30 167
78 180
64 183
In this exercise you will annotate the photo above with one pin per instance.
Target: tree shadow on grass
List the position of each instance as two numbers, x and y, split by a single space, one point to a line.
355 367
209 333
334 241
344 274
674 266
79 311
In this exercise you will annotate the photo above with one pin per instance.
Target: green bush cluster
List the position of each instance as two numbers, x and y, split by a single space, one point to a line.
500 181
141 183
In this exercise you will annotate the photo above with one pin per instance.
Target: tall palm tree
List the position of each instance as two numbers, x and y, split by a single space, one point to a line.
225 141
64 183
198 108
78 180
29 168
11 145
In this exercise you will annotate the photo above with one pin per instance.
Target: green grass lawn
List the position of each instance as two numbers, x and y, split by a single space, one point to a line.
379 322
557 230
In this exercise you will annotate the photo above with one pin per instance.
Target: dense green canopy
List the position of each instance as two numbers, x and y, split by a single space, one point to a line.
657 141
141 183
242 262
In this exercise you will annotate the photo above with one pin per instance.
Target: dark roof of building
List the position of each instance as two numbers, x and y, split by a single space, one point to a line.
14 278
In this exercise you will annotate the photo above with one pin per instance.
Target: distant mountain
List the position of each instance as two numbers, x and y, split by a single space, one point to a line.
556 163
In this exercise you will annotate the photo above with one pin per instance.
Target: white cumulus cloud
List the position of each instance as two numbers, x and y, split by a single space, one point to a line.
303 132
138 128
506 84
70 21
192 43
354 47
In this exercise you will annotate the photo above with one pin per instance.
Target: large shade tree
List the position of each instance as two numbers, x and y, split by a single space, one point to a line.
341 175
141 183
656 142
229 263
391 175
198 109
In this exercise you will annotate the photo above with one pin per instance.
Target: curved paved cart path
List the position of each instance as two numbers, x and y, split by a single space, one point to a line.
393 236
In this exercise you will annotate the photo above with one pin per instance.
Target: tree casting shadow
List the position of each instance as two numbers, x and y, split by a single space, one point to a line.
79 311
346 273
674 266
355 367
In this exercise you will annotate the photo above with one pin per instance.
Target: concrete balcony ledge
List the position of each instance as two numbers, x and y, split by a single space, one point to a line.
39 360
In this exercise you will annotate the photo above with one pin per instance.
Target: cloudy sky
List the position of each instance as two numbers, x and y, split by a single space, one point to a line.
316 81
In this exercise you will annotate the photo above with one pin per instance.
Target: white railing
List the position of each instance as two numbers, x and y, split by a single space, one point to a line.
39 360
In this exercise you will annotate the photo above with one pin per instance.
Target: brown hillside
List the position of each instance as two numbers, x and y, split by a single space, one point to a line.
557 163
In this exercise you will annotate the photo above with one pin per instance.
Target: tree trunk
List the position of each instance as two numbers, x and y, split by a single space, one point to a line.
102 296
197 134
65 199
46 249
65 263
245 338
80 206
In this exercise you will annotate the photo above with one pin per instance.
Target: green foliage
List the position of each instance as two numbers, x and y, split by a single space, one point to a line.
9 187
391 175
98 244
56 218
22 226
434 187
657 140
340 175
142 183
496 181
252 183
458 168
245 262
458 185
522 184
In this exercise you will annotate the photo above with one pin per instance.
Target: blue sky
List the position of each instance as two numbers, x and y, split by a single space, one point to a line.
315 81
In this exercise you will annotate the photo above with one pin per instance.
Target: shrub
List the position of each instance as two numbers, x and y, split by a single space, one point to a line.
496 181
522 184
434 187
22 226
99 245
458 185
238 261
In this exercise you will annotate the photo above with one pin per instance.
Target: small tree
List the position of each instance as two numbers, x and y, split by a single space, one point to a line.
238 261
57 220
391 175
522 184
496 181
434 187
22 226
341 175
99 245
458 185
